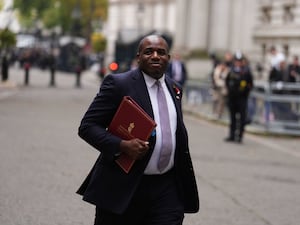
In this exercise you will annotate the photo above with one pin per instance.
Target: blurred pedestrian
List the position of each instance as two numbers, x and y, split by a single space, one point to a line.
177 69
278 76
219 77
281 110
215 62
226 63
276 57
239 83
147 194
79 68
228 58
294 70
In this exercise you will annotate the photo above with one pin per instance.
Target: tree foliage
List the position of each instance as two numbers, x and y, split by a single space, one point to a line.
1 4
7 39
98 42
33 8
54 13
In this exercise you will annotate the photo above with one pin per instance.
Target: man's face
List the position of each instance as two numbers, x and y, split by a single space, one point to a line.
153 56
238 63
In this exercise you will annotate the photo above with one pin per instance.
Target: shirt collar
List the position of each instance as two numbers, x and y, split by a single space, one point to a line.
150 82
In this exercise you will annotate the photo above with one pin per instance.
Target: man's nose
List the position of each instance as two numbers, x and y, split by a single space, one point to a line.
155 54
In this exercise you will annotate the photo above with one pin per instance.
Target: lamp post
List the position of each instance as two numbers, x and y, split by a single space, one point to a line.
76 31
76 14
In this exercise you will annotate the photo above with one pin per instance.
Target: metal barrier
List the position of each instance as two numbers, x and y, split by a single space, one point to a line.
273 108
276 107
198 92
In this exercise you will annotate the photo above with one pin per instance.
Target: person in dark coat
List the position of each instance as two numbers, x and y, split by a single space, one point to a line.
239 82
294 70
145 195
177 70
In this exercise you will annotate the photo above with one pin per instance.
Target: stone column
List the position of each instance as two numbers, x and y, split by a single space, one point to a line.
220 24
180 34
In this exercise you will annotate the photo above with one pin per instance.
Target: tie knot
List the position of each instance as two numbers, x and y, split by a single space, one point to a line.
158 83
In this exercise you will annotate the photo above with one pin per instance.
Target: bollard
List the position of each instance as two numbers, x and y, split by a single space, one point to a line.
78 77
4 69
52 77
26 67
52 67
26 81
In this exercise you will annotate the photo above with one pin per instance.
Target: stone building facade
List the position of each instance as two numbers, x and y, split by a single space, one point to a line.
250 26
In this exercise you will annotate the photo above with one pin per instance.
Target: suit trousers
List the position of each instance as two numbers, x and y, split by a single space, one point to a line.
156 202
237 107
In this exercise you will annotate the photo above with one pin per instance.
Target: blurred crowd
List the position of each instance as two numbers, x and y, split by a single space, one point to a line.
281 70
278 71
232 73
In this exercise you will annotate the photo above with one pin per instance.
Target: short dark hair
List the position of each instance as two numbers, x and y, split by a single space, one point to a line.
146 37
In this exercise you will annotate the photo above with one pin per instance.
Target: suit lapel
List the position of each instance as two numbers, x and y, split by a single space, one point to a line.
142 96
141 93
175 93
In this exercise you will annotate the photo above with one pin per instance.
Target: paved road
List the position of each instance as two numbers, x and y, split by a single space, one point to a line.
42 162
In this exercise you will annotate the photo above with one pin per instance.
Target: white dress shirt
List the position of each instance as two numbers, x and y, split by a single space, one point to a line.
152 90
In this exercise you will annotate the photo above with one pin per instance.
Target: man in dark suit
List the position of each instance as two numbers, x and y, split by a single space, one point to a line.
147 194
177 70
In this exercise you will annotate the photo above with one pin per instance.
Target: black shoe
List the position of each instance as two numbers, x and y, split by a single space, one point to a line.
229 139
239 140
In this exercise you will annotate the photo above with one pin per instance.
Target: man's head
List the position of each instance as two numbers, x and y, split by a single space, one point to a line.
238 59
296 59
273 50
153 56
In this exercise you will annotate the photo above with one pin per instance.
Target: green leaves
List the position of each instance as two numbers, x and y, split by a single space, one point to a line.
7 39
54 13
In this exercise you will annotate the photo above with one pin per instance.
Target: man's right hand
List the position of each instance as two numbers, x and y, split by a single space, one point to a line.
134 148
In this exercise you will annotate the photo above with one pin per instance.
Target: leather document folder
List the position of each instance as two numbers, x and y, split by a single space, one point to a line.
130 121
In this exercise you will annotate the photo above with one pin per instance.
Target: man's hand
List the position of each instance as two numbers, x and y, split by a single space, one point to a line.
134 148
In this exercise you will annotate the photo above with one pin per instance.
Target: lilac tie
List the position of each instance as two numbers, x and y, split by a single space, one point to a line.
166 145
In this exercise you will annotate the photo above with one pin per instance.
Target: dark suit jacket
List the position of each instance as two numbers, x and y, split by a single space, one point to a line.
107 186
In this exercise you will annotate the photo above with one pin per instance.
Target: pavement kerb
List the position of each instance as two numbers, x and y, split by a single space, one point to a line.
195 112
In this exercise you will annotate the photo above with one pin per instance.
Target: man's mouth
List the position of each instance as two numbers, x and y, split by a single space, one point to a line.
155 64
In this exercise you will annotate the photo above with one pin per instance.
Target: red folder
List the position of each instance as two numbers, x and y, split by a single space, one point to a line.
130 121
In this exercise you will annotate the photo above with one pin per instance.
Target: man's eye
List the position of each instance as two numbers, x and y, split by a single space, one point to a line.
158 52
161 52
148 52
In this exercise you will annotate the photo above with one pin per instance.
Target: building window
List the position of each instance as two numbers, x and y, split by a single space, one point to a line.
288 14
286 50
266 14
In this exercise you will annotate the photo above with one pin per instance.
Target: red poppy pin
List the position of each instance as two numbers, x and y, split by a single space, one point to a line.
177 91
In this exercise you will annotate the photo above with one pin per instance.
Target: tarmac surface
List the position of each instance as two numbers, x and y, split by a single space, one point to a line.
43 161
